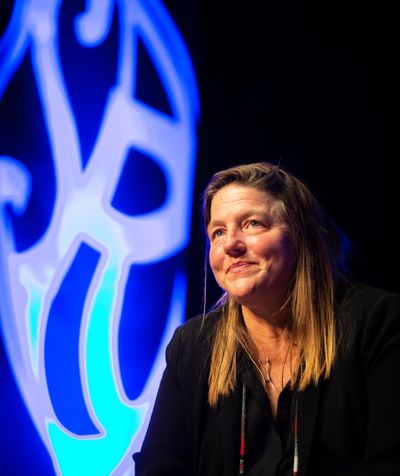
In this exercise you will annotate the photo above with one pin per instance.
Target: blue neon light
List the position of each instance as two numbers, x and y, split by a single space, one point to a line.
89 213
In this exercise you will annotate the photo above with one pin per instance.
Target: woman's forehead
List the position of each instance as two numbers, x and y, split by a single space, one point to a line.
237 197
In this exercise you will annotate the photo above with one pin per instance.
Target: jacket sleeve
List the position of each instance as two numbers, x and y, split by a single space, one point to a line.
380 349
165 450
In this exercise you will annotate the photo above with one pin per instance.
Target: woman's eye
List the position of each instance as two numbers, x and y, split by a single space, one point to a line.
254 223
217 233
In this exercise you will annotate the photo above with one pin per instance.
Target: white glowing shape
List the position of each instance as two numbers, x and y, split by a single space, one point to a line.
82 213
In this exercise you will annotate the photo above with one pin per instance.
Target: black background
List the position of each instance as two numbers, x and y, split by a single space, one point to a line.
313 86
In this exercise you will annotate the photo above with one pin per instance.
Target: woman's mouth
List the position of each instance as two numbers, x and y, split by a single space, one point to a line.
238 267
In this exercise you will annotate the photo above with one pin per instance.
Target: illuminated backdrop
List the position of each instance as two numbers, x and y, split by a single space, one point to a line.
96 168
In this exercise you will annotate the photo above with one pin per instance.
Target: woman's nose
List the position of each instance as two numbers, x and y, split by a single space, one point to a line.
234 244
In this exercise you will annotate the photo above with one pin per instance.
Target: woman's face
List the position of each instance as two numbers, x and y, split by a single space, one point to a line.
250 247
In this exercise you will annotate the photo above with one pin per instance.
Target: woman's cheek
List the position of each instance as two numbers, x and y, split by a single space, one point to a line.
216 259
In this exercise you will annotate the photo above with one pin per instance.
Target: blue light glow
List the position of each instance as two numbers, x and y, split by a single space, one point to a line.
84 214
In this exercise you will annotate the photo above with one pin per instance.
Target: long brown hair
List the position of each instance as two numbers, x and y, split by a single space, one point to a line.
319 254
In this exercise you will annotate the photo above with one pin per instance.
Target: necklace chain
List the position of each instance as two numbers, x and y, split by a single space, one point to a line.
265 367
267 375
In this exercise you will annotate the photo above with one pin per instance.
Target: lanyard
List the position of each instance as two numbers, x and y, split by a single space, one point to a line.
243 435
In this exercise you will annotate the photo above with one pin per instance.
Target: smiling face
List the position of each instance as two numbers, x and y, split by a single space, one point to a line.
250 247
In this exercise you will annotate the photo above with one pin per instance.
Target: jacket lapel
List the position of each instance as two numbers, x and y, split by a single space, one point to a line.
308 409
231 408
230 414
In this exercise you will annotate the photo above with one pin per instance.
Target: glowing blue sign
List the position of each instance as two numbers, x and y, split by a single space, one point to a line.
89 220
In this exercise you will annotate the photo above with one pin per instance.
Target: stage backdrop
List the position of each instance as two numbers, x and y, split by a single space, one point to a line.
99 129
98 116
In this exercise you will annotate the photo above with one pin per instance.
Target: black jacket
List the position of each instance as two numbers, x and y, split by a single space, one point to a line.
348 424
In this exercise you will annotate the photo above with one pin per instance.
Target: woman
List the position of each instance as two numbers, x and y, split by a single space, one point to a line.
295 370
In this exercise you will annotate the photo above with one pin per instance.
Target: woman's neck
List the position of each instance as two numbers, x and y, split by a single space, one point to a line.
268 332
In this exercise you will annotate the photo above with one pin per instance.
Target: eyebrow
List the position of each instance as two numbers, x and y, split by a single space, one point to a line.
214 223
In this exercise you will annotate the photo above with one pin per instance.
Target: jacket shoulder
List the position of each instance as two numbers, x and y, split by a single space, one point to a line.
362 303
366 296
192 341
372 317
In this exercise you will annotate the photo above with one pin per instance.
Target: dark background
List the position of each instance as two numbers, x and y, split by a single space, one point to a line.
313 86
